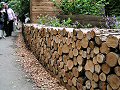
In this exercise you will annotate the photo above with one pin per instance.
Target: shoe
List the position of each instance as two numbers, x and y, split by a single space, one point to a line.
7 36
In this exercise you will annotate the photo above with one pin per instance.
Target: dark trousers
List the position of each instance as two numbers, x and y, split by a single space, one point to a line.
8 27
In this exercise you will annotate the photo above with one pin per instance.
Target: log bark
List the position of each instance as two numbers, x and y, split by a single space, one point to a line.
111 59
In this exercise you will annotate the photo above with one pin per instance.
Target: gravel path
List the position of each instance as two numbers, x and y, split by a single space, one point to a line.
12 77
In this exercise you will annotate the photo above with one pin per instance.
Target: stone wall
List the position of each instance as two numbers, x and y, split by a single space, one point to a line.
80 59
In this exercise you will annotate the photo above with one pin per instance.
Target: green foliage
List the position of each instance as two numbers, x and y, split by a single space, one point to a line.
88 7
55 22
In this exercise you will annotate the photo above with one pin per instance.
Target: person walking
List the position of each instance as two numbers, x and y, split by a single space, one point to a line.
9 17
1 22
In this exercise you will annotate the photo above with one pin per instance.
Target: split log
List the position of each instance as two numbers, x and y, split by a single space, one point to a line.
88 84
74 81
111 59
102 77
79 59
75 72
94 84
84 42
109 88
70 82
96 50
105 68
70 64
104 48
71 53
89 66
97 68
80 68
75 52
98 41
91 44
117 71
80 34
113 81
95 77
112 41
100 58
65 49
75 61
78 44
89 75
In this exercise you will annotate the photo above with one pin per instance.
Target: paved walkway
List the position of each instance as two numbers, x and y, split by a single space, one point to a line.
11 75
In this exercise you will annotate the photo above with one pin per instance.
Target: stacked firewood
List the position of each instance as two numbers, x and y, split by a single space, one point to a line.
81 61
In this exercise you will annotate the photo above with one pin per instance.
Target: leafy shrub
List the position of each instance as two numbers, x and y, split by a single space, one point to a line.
88 7
55 22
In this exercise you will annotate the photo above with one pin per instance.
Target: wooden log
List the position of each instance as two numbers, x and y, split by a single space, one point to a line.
91 45
102 77
96 50
112 41
65 58
117 70
119 61
97 68
100 58
95 60
84 42
70 82
73 88
79 59
61 65
75 71
111 59
89 66
75 61
78 44
70 64
74 81
92 34
73 44
95 77
88 50
98 41
84 54
105 68
75 52
89 75
68 41
79 86
113 81
104 48
60 50
109 88
80 34
80 67
102 85
65 48
94 84
88 84
71 53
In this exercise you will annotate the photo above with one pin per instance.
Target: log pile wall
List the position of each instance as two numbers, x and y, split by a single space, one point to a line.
80 60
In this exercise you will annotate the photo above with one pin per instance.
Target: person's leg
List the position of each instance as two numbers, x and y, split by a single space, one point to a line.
10 27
